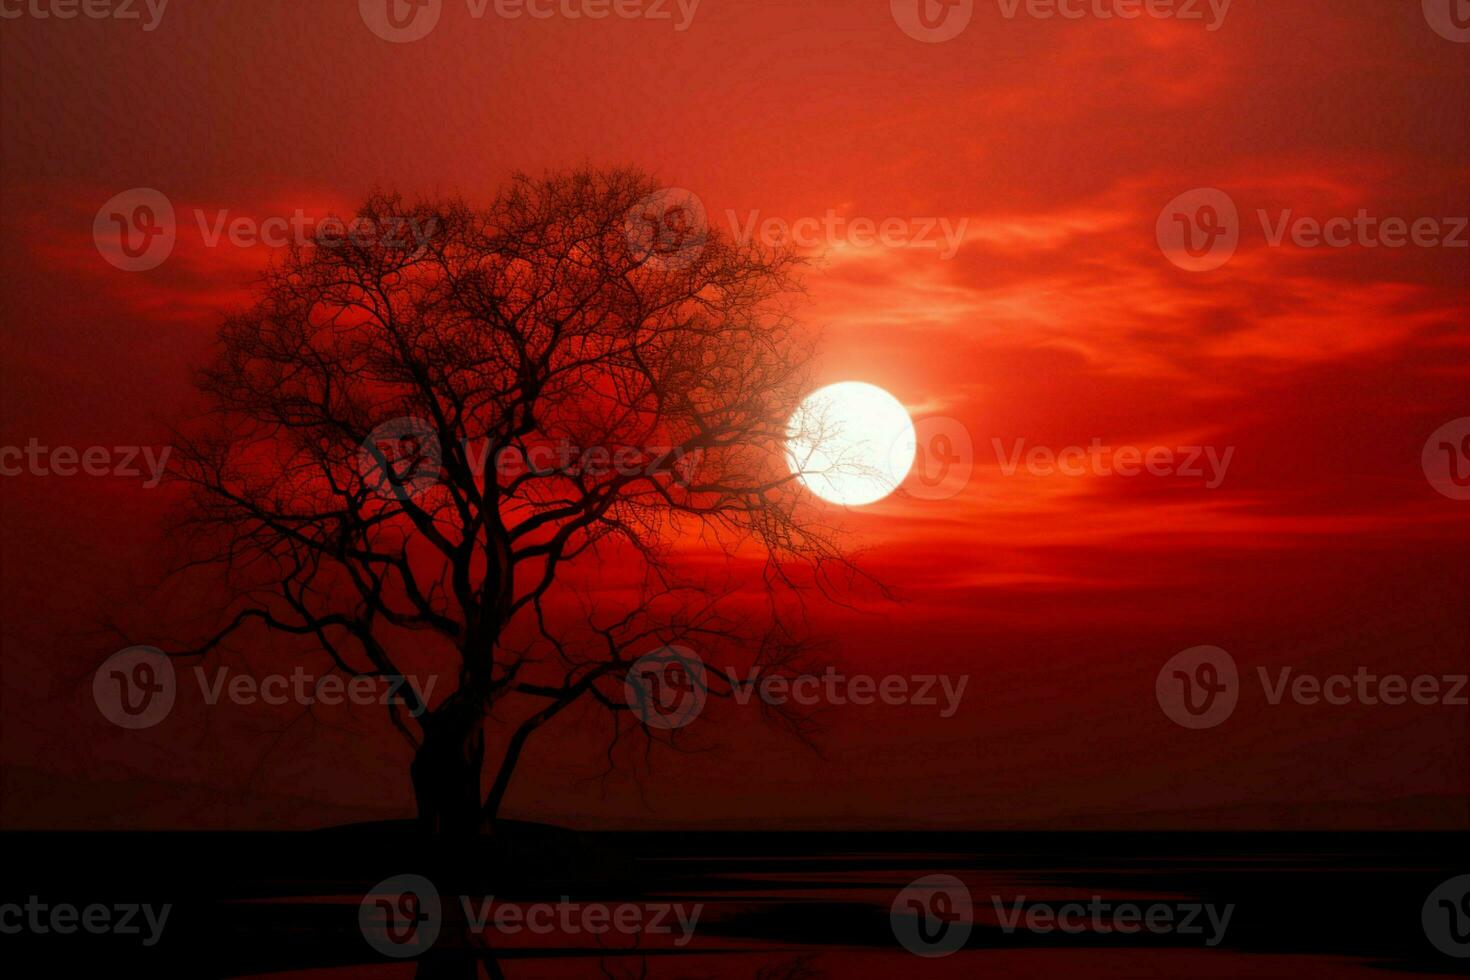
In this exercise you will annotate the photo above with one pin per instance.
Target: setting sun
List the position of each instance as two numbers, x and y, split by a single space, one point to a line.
850 443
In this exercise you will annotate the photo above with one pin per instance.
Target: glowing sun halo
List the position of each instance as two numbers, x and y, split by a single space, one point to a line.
850 443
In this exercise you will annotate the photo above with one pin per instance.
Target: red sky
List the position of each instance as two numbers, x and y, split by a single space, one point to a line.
1059 321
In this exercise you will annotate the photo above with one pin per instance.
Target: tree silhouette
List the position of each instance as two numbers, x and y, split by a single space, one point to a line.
441 438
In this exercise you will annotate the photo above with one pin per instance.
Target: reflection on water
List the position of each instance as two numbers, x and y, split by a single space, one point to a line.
780 907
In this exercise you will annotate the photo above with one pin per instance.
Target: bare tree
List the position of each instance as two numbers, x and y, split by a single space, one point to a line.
435 440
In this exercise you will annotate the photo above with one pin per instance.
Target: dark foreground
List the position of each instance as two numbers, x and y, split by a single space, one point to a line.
537 902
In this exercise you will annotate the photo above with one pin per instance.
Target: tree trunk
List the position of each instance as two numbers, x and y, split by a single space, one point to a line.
446 770
446 773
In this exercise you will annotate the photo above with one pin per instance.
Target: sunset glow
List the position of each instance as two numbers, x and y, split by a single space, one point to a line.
1019 228
851 443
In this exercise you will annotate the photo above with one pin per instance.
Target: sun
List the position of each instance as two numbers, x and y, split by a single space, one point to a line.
851 443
